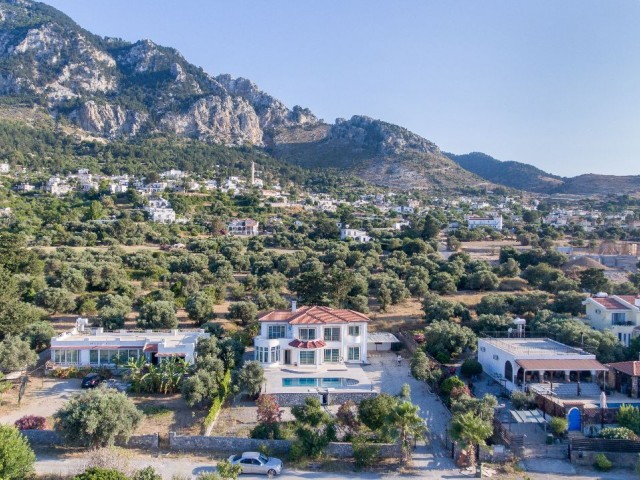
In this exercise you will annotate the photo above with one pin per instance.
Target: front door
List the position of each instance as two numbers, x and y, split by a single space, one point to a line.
287 357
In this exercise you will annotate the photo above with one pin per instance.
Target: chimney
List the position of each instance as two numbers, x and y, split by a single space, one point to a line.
294 306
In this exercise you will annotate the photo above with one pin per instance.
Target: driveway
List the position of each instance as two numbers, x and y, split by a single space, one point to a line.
385 372
42 398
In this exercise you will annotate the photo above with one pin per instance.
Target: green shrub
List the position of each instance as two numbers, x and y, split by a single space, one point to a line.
522 400
470 367
147 473
101 474
558 425
602 463
16 456
218 401
365 453
450 383
629 417
621 433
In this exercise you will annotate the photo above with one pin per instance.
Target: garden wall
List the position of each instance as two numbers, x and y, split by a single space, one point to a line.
333 398
51 437
619 459
191 443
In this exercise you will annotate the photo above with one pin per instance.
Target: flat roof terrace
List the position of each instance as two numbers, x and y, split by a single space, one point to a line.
534 346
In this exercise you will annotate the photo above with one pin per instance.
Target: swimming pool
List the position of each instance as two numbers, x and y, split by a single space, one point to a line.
318 382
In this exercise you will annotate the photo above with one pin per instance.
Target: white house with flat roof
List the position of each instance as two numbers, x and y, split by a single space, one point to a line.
516 362
619 314
494 222
312 337
97 348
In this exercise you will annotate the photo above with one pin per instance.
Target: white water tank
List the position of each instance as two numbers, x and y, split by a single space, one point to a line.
602 295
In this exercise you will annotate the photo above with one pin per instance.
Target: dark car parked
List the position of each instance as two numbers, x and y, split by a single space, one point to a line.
92 380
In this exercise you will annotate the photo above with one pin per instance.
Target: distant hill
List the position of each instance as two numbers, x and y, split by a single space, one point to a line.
509 173
523 176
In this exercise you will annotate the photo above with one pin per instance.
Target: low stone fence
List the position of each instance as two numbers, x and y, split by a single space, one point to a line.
195 443
332 397
51 437
192 443
619 459
345 450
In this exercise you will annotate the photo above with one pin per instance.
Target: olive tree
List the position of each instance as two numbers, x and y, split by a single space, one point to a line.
16 354
159 314
16 456
251 378
96 418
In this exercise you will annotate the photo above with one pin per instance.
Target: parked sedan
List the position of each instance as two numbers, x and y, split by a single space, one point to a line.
256 462
92 380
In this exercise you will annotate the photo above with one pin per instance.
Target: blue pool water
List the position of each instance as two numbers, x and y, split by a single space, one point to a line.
318 382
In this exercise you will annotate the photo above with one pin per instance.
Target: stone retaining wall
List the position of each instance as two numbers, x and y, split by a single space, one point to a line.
191 443
333 398
51 437
619 459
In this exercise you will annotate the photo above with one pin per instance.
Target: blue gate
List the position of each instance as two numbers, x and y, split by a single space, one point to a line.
574 418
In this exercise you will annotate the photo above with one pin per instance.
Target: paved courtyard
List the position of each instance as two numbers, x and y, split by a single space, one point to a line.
386 374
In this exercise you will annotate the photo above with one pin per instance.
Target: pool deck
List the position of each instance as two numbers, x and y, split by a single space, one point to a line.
274 378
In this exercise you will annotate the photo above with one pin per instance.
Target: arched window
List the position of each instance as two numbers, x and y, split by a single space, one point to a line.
508 371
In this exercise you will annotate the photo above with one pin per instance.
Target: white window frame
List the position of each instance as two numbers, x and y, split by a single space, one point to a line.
352 354
306 336
333 355
331 331
354 330
276 331
308 355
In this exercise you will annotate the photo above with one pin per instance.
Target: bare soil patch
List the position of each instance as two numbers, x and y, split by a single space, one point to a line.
168 413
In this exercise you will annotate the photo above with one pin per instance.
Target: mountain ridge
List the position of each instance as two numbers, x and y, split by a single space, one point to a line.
114 89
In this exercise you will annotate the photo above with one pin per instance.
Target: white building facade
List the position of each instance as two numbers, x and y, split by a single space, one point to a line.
97 348
491 222
312 337
518 361
619 314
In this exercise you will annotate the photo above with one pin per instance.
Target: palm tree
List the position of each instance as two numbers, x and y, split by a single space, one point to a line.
404 422
470 430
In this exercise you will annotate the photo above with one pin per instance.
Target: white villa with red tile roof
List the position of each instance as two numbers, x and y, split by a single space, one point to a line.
311 337
619 314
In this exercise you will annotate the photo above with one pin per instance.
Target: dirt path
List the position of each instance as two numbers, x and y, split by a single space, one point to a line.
41 398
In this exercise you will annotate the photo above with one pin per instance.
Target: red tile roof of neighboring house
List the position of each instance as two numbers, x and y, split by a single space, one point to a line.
630 368
314 315
310 344
610 303
629 298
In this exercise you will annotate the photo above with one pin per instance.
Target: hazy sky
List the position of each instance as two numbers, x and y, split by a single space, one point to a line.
548 82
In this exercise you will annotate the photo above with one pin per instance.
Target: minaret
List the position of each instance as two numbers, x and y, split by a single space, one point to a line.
253 173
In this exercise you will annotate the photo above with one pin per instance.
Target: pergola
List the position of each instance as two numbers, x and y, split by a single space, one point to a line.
560 365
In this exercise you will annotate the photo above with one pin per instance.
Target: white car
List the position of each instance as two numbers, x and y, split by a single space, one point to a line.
256 462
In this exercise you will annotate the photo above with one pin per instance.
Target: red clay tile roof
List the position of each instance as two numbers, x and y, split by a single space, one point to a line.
314 316
310 344
630 368
610 303
628 298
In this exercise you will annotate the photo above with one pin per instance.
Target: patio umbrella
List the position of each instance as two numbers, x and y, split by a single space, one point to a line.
603 400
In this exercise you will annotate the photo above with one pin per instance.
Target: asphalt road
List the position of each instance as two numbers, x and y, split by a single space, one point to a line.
169 466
